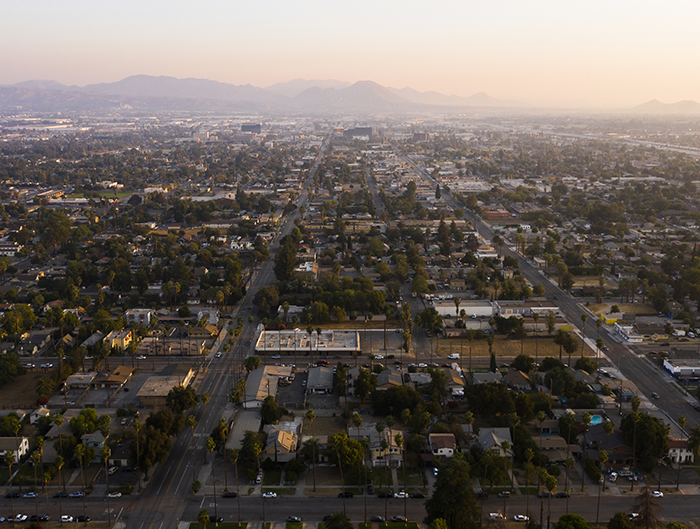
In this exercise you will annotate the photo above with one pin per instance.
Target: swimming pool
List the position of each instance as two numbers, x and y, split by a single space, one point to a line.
596 419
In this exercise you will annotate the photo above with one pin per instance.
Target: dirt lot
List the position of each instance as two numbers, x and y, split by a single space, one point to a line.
324 426
20 393
630 308
504 346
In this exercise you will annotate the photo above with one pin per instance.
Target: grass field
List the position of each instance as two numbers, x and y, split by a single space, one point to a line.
272 478
108 193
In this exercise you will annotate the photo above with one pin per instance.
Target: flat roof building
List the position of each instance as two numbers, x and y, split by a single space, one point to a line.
331 341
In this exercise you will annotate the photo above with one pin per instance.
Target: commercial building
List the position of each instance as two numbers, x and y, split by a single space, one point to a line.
627 333
331 341
262 382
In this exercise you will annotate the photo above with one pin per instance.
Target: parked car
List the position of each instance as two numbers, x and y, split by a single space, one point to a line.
418 495
481 495
82 519
544 494
401 494
655 396
112 470
229 495
398 519
30 495
520 518
269 495
370 489
385 494
656 494
114 495
379 519
504 494
346 494
562 495
67 519
12 495
293 519
58 495
495 516
40 518
76 494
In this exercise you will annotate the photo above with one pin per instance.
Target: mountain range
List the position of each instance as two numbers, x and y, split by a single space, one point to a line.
169 93
151 93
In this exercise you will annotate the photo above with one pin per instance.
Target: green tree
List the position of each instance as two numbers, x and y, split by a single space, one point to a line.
572 521
647 506
338 520
453 497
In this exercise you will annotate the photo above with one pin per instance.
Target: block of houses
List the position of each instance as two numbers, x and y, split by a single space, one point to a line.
442 444
18 445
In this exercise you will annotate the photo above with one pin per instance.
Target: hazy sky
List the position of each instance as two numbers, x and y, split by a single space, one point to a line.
594 52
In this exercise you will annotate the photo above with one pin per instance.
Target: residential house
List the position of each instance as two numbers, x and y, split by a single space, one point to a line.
38 414
454 383
388 378
19 445
392 455
679 451
491 439
442 444
140 316
120 339
518 380
487 378
262 382
281 445
320 380
114 380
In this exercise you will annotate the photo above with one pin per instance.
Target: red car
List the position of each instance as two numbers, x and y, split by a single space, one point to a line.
322 363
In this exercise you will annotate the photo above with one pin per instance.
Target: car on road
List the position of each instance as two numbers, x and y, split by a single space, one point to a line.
398 519
345 494
82 519
322 362
18 518
453 356
401 494
293 519
520 518
275 357
67 519
633 515
218 355
60 495
655 396
229 495
379 357
481 495
269 495
30 495
12 495
544 494
562 494
76 494
504 494
418 495
385 495
656 494
140 357
435 471
112 470
379 519
40 518
114 495
495 516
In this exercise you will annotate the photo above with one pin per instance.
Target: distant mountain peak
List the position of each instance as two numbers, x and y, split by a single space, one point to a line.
655 106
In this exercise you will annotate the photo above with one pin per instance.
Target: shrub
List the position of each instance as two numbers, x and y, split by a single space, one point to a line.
592 470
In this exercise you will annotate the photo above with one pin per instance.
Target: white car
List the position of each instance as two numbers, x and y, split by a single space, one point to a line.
30 495
114 495
453 356
379 357
269 495
76 494
520 518
656 494
112 470
401 494
21 517
66 519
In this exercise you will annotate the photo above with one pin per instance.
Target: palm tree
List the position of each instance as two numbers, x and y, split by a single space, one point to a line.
398 439
584 317
682 422
536 318
105 453
586 420
192 422
36 459
210 448
233 456
47 478
635 420
9 461
203 518
529 454
310 415
551 484
205 398
602 459
59 465
137 427
80 454
569 462
505 447
40 441
357 422
310 331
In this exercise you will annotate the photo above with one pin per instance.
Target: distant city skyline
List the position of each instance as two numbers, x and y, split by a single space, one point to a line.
547 53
